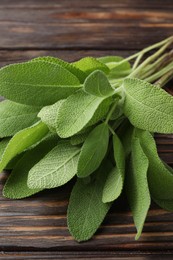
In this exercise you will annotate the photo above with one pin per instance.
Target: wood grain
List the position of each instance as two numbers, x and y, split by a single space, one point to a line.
67 24
36 228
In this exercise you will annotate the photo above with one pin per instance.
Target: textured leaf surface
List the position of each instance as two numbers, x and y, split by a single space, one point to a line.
148 107
137 189
3 145
48 115
68 66
21 141
16 185
79 139
115 180
97 84
160 175
56 168
89 64
126 137
15 117
37 83
93 150
86 210
164 204
80 110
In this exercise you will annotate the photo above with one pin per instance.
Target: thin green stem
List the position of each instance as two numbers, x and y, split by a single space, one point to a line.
149 60
110 112
118 122
145 50
111 130
157 65
160 73
164 79
135 65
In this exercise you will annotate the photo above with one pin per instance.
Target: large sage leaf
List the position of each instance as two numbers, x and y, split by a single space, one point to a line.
15 117
93 150
147 106
68 66
86 210
37 83
16 184
160 175
56 168
137 189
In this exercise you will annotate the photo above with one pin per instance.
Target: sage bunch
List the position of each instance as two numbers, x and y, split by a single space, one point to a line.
92 120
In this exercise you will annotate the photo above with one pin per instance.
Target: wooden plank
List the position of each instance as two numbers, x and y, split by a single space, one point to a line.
8 57
84 255
84 24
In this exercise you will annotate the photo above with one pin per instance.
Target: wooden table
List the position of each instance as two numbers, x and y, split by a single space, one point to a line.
36 228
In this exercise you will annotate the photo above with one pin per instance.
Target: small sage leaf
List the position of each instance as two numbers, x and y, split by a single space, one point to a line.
137 189
93 150
3 144
90 64
56 168
48 115
97 84
79 138
115 180
21 141
80 110
164 204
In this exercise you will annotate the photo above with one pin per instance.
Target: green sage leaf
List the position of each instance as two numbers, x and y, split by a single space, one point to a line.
90 64
3 144
79 138
68 66
164 204
93 150
16 184
48 115
86 210
56 168
137 189
21 141
15 117
37 83
97 84
80 110
115 180
160 175
148 107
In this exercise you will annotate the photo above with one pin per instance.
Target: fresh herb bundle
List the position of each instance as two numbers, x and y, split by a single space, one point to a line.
94 120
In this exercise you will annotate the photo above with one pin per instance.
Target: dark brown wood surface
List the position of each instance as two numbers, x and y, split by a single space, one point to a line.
35 228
